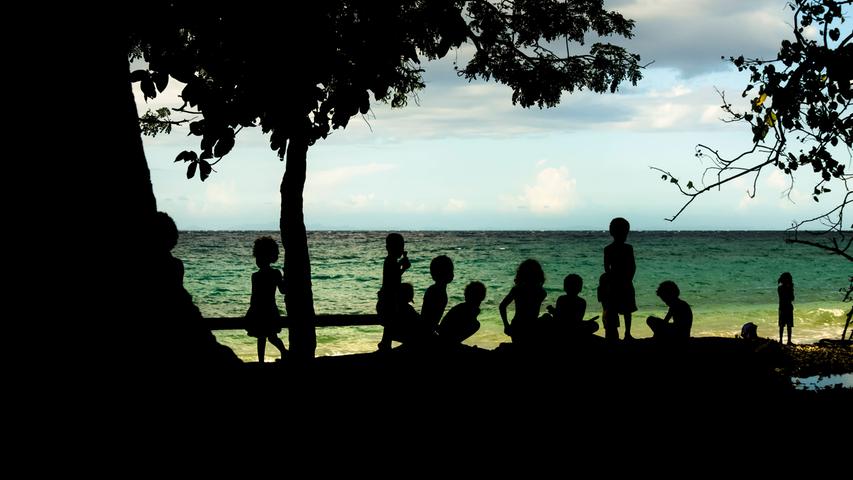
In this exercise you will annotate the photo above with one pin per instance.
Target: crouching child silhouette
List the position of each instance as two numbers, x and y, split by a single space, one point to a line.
461 321
679 311
263 319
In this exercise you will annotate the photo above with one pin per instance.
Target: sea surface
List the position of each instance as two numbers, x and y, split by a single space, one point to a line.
728 278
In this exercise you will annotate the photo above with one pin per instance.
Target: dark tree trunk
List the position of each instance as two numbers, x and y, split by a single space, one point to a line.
298 297
144 325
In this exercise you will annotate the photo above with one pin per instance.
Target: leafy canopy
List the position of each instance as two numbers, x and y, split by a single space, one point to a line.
308 69
800 111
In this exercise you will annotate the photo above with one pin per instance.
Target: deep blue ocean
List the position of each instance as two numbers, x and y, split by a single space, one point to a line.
728 278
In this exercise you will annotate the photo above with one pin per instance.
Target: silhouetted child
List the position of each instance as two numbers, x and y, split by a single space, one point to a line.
461 321
749 331
528 294
609 316
190 342
619 264
786 304
396 262
435 298
679 311
263 319
570 309
408 326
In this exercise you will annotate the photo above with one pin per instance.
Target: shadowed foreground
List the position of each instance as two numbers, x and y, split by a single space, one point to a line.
650 380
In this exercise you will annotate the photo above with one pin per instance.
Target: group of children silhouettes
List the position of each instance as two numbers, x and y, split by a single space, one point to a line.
564 321
403 323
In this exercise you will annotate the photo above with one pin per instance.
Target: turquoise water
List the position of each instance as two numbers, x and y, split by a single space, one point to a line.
729 278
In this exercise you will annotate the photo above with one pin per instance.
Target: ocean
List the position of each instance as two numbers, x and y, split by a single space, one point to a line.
728 278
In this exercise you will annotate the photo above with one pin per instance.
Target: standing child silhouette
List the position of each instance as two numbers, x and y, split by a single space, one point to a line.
620 266
786 304
395 264
263 319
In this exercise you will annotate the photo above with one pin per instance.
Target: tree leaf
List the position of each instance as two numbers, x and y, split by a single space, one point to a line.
224 145
197 127
161 79
186 156
138 75
191 170
834 34
148 88
204 169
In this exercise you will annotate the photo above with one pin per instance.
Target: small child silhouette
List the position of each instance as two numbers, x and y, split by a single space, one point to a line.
528 294
786 304
435 298
461 321
679 311
395 264
263 319
570 309
619 264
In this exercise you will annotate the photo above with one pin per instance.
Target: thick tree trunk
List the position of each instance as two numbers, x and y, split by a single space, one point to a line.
298 297
143 325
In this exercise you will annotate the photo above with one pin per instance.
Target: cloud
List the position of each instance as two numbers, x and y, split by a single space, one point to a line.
361 200
554 192
335 177
218 198
691 36
454 205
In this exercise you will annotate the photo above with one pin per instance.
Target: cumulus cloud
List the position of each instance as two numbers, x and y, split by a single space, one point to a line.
554 192
218 198
454 206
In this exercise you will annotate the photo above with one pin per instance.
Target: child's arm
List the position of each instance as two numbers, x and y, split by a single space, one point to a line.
502 307
404 263
632 264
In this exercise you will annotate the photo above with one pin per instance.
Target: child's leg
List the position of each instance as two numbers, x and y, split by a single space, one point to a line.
278 344
628 326
262 346
789 334
781 329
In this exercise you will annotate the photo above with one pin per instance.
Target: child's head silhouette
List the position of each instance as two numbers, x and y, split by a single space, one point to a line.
785 279
265 250
441 269
668 291
165 232
619 228
530 273
394 244
572 284
475 293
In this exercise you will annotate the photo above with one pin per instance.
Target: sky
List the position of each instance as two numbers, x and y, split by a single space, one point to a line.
462 157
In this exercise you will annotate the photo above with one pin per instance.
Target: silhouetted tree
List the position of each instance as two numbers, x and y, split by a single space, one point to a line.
799 116
302 72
